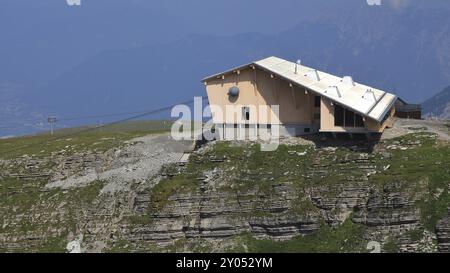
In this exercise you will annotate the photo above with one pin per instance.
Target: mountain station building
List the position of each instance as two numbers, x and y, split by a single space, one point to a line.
309 100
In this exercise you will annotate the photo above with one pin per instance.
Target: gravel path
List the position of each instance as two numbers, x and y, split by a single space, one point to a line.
405 126
135 163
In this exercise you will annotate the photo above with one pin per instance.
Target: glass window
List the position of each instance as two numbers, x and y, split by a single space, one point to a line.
349 118
338 115
317 101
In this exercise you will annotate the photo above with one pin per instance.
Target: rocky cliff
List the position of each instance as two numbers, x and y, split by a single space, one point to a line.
308 196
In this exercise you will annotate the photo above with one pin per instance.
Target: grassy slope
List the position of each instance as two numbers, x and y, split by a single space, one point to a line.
78 139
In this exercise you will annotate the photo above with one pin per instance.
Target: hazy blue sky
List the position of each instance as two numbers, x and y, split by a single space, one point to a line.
51 33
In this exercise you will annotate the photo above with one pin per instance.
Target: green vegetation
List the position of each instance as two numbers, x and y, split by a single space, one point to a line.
54 245
434 209
51 213
424 169
415 164
421 170
166 188
344 239
79 139
415 235
391 246
287 163
120 246
245 164
30 210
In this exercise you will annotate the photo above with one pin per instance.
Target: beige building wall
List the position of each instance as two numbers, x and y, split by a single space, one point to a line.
260 88
373 125
327 121
326 115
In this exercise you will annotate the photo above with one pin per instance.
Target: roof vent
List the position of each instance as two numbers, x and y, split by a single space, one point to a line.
313 75
369 95
348 80
333 91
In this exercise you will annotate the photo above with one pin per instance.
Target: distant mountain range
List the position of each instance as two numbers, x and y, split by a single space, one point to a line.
401 50
438 106
405 53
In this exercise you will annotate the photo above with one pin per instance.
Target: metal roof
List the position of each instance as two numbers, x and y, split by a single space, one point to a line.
365 100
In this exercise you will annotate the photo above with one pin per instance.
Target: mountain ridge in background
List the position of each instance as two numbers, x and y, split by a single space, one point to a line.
438 106
136 78
401 49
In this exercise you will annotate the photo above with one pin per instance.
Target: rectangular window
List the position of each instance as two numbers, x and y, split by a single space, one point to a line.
307 130
246 113
317 101
338 115
349 118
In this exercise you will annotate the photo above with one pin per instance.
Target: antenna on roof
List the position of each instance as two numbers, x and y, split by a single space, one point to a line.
299 62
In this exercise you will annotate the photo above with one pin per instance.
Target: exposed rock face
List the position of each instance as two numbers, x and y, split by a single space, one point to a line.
221 215
215 211
216 215
211 213
227 191
389 210
443 234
